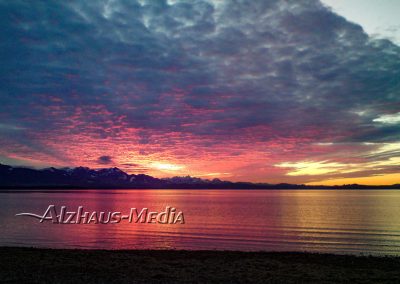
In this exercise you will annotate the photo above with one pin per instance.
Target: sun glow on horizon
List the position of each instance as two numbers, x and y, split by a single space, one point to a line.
167 166
386 179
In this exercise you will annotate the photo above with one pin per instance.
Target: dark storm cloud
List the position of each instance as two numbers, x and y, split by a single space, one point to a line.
104 160
199 67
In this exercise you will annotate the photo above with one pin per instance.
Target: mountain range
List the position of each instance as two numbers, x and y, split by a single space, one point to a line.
109 178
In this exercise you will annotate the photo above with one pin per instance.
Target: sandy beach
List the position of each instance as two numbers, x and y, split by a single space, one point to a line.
19 265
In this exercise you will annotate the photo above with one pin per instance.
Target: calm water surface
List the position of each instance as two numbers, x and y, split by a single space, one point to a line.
356 221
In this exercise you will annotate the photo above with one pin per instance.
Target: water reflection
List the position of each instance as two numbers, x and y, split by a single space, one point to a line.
323 221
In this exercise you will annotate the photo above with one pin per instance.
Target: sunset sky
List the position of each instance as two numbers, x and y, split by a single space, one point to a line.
262 91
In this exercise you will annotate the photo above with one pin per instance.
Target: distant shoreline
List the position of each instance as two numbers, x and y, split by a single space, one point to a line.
75 188
34 265
18 178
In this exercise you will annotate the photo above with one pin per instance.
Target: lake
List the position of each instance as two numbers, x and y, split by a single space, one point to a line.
335 221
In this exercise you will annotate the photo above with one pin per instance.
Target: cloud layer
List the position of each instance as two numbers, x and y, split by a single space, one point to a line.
238 87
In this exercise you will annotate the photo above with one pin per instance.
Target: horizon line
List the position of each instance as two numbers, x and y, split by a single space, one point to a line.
204 179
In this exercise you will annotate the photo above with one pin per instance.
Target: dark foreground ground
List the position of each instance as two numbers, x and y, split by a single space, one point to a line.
22 265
